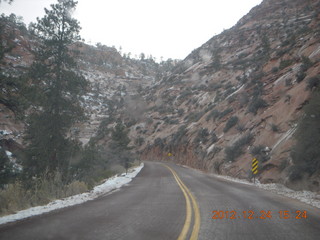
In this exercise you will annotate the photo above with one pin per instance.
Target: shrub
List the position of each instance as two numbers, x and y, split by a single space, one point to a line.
179 136
274 127
256 104
139 141
306 64
285 63
158 142
225 112
259 153
306 152
213 115
241 127
214 137
234 151
300 76
180 112
313 82
194 116
202 136
230 123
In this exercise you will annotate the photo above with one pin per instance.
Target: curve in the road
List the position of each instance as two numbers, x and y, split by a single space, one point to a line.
188 195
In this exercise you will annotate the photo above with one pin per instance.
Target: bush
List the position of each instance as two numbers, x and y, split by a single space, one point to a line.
158 142
306 152
306 64
18 196
300 76
225 112
274 127
256 104
313 82
180 136
285 63
202 136
241 127
194 116
259 153
234 151
213 115
231 122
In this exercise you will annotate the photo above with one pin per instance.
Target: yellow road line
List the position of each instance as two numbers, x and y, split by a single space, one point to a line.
187 194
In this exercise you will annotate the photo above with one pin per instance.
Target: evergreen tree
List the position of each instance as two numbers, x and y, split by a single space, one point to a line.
119 145
58 85
10 86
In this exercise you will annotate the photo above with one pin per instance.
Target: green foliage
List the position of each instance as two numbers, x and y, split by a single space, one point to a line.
119 148
179 137
230 123
300 76
259 153
274 127
8 171
202 136
139 141
313 82
158 142
212 115
234 151
214 137
285 63
120 136
306 152
306 64
194 116
256 104
58 87
12 88
215 114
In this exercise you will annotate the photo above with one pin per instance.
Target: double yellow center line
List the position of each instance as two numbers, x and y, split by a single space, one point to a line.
190 200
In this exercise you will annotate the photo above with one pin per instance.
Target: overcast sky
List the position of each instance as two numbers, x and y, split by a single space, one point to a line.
168 28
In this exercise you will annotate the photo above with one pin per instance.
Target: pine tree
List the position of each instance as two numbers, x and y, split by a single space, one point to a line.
119 145
10 86
58 85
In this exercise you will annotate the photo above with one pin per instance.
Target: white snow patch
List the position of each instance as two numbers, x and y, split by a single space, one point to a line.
286 136
110 184
308 197
9 154
314 53
235 92
209 150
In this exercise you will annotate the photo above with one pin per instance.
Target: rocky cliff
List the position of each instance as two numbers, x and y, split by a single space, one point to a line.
240 95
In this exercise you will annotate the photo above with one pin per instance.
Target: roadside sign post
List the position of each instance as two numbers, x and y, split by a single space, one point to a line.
254 169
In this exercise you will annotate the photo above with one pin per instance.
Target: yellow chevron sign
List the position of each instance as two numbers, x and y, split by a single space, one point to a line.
255 166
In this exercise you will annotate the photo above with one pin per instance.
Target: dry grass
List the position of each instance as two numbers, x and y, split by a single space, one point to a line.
16 196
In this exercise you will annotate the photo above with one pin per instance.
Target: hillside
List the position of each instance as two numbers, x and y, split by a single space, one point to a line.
240 95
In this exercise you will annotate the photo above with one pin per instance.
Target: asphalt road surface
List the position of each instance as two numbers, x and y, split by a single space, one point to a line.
167 202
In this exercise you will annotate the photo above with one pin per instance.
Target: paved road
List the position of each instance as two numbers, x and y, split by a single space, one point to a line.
175 203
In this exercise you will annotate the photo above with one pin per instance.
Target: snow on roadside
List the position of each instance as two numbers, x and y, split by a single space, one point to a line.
110 184
308 197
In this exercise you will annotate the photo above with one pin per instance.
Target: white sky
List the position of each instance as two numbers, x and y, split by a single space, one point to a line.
168 28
